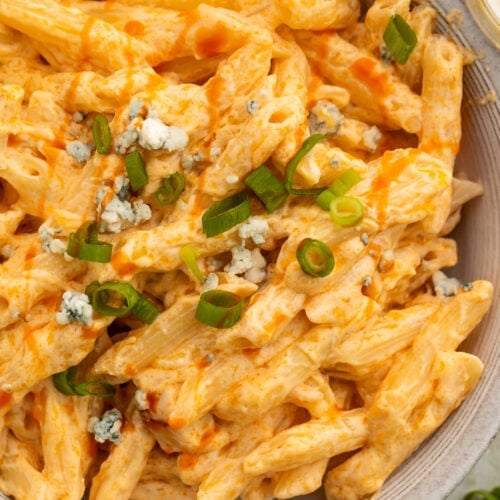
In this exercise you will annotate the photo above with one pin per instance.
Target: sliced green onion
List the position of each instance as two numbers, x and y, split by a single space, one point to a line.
85 245
346 211
399 38
189 256
104 293
170 189
338 187
267 187
129 299
496 492
226 214
65 382
315 258
307 145
145 310
346 181
101 134
480 495
136 170
324 199
219 308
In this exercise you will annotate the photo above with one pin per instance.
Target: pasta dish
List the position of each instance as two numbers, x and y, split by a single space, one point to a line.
223 235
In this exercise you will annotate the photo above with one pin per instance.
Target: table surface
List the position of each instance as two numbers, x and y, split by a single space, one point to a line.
485 475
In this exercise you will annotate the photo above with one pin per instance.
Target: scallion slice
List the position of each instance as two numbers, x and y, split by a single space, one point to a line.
101 134
480 495
324 199
64 382
307 145
145 310
189 256
399 38
125 296
315 258
219 308
338 187
346 211
267 187
226 214
346 181
85 245
136 170
125 299
170 189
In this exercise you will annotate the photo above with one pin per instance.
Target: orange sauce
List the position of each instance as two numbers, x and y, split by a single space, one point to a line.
152 400
134 28
5 399
31 253
393 165
187 460
130 369
122 264
86 41
365 70
176 423
72 92
29 340
211 41
188 18
208 436
90 333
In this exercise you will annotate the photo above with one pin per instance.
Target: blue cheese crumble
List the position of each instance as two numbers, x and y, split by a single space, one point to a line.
444 286
154 134
75 307
49 243
80 151
255 229
211 282
325 118
121 211
106 428
250 263
371 138
141 400
252 107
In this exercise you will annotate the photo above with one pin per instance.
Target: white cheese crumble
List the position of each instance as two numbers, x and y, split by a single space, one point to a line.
444 286
252 106
121 211
75 307
232 179
141 400
364 239
211 282
334 163
250 263
385 54
254 228
188 161
371 138
80 151
215 151
7 251
325 118
49 242
135 108
125 141
106 428
154 134
78 116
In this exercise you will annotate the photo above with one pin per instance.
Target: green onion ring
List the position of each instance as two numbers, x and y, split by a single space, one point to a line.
346 211
145 310
101 134
85 245
480 495
170 189
315 258
399 38
136 170
105 390
226 214
102 295
307 145
64 382
268 188
219 308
